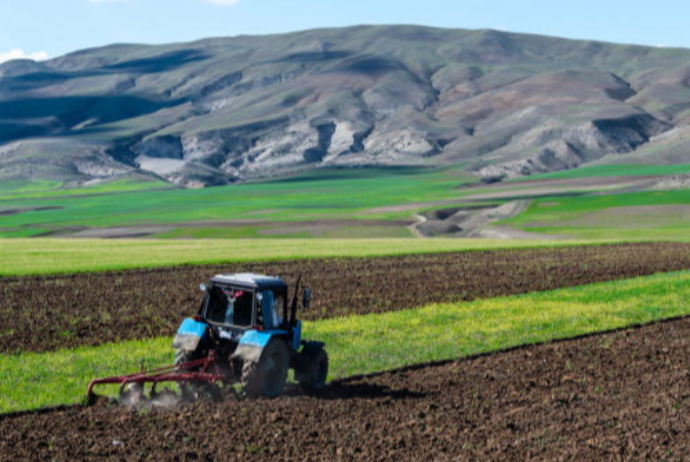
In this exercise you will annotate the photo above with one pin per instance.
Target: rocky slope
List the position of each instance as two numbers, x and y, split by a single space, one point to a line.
221 110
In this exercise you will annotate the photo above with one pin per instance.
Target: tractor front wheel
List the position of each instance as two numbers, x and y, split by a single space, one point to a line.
184 356
189 391
266 378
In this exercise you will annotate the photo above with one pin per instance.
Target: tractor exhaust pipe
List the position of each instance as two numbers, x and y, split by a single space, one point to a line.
293 305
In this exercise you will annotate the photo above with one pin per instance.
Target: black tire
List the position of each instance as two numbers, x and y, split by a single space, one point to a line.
189 391
266 379
314 370
184 356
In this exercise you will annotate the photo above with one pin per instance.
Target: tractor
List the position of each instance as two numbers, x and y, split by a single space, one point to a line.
244 332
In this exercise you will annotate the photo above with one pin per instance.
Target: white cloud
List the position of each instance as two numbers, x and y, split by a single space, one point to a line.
21 54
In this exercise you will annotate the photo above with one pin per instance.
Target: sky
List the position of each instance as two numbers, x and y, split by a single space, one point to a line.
42 29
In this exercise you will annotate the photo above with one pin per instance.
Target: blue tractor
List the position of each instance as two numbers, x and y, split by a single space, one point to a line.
244 332
244 321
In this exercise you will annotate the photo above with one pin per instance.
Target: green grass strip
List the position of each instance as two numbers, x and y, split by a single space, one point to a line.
43 189
611 170
371 343
58 256
658 215
35 380
323 194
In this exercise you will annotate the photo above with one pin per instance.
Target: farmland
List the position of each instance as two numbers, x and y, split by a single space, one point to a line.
32 257
611 170
376 314
374 342
361 203
261 208
81 310
664 214
618 395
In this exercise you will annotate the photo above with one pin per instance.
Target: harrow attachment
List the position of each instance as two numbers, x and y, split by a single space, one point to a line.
204 371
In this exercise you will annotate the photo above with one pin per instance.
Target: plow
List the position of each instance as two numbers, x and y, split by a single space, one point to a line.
242 334
132 390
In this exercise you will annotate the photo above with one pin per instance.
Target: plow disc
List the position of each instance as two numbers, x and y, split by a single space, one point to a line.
203 372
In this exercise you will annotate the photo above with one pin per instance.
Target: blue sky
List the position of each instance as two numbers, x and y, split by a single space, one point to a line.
42 28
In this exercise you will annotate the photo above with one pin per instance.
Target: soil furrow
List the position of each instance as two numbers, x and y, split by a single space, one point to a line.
47 313
618 396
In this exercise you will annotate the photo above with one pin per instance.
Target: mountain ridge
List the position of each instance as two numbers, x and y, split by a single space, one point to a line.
220 110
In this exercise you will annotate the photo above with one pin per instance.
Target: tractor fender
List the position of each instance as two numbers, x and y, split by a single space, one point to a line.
190 333
252 344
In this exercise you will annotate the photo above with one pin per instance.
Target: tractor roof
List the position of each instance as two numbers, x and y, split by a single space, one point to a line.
250 280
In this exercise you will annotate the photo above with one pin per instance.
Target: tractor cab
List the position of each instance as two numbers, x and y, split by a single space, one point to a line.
238 302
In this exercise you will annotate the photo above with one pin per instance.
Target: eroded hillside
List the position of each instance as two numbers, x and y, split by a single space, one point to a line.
220 110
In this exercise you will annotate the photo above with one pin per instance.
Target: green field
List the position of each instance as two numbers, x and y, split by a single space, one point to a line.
57 256
608 170
358 344
43 189
370 343
659 215
359 203
324 194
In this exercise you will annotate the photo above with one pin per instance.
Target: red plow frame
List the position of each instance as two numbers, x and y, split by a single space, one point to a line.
204 370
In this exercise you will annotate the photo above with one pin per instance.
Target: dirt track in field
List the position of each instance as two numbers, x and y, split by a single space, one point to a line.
46 313
612 397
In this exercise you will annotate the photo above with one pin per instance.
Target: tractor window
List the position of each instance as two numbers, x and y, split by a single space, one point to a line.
215 310
242 312
280 307
230 306
267 316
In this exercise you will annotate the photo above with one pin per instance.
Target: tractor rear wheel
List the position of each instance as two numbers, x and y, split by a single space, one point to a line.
266 378
314 369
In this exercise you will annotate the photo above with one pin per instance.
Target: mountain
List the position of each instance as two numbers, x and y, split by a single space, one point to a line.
226 109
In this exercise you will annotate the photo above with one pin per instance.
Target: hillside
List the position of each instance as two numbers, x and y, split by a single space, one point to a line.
220 110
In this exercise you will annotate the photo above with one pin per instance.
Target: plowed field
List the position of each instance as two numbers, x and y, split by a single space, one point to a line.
618 396
46 313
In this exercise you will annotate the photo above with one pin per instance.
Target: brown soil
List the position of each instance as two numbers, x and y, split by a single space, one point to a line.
46 313
618 396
